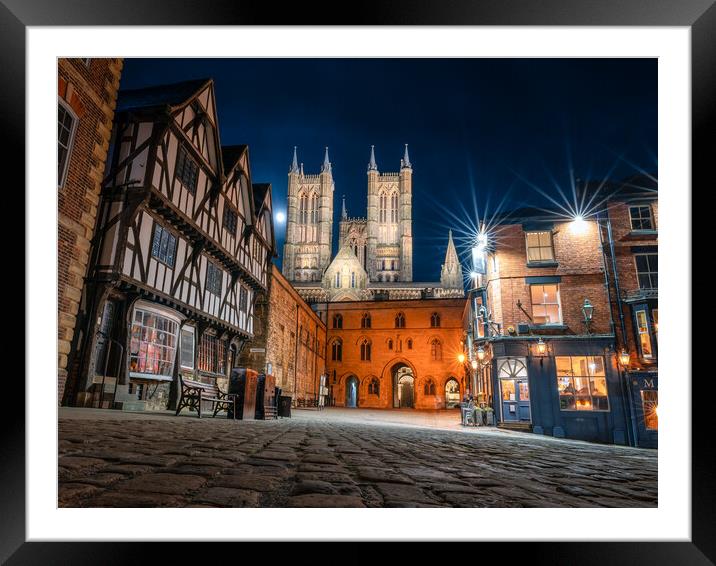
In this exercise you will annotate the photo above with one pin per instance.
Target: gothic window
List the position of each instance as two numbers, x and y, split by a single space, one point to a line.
338 279
365 350
435 320
429 388
400 320
353 279
365 320
303 209
394 208
390 344
383 207
314 208
436 349
374 387
337 351
410 343
337 321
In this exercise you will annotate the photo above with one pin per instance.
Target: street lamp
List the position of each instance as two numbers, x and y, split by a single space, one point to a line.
624 358
461 358
480 353
541 347
588 312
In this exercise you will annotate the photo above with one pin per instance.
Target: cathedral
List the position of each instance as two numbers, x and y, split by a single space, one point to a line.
374 260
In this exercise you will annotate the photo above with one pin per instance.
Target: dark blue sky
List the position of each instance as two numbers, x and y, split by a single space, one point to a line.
476 128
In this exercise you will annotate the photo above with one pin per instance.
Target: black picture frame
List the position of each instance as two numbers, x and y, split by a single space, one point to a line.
699 15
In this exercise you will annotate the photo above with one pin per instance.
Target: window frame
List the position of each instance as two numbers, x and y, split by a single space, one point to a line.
230 210
164 261
400 320
211 266
337 350
650 274
558 303
184 157
338 321
435 320
189 329
589 377
551 260
647 332
365 320
641 218
70 142
365 350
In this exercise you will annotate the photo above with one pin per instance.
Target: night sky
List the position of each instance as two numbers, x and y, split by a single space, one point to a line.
479 130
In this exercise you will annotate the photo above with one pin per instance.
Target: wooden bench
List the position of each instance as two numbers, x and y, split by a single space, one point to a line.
194 392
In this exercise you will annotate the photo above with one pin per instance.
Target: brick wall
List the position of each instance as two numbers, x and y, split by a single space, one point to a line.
91 91
383 359
293 339
579 265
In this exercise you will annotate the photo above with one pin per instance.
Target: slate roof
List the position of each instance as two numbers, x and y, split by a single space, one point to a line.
160 95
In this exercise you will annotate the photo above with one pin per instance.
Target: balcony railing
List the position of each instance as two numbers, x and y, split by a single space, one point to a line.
640 294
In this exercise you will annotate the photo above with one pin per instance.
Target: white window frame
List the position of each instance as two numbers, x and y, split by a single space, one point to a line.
651 217
559 303
167 314
636 269
70 141
647 333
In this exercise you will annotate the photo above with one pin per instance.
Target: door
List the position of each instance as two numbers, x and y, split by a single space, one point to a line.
406 391
352 392
515 392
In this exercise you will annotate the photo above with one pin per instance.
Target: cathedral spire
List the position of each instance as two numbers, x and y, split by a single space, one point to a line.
344 214
372 165
326 163
451 273
294 164
405 164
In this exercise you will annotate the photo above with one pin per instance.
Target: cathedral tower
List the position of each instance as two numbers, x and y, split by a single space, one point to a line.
309 226
389 230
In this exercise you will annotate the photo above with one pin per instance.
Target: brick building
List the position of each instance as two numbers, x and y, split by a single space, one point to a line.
630 234
542 322
289 340
385 354
87 96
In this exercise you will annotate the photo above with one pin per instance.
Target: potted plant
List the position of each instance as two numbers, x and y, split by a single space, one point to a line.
489 416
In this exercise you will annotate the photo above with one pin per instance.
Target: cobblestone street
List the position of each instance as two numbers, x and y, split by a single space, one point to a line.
336 458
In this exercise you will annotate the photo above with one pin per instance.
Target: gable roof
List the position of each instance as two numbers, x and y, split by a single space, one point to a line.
230 155
160 95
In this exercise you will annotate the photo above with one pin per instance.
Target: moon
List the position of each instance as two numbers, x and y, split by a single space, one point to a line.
280 217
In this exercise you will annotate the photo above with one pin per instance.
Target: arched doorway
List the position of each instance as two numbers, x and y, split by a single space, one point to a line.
452 393
352 391
403 387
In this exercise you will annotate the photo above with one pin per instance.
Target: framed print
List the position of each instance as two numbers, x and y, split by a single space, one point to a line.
382 277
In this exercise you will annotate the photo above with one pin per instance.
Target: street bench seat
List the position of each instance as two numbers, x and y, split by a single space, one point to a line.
194 392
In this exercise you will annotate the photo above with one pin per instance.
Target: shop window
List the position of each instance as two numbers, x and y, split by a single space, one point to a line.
66 127
212 354
582 383
642 327
164 245
545 304
650 405
365 351
365 320
153 344
435 320
337 321
539 247
187 171
186 351
214 276
647 268
641 218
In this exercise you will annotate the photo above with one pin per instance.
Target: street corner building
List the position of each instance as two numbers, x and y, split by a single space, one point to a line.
562 332
86 100
183 242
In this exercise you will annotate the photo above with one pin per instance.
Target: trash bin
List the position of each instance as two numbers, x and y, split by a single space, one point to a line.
242 383
284 406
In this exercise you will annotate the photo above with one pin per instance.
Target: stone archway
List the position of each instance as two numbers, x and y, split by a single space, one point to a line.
403 386
351 390
452 393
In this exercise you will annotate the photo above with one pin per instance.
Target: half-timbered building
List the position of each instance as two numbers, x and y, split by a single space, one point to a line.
184 240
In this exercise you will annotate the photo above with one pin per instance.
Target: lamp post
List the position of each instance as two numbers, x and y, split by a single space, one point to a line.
588 312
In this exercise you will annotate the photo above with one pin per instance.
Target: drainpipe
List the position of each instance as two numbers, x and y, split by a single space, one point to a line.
295 362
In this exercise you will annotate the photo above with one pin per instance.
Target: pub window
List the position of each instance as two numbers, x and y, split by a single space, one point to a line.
642 327
231 219
650 405
641 218
400 320
545 304
212 354
374 387
647 270
186 345
539 246
365 350
436 349
435 320
66 127
152 344
337 321
365 320
214 279
582 383
243 298
187 170
337 351
164 245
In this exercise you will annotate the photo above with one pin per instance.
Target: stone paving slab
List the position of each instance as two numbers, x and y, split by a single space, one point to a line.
336 458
